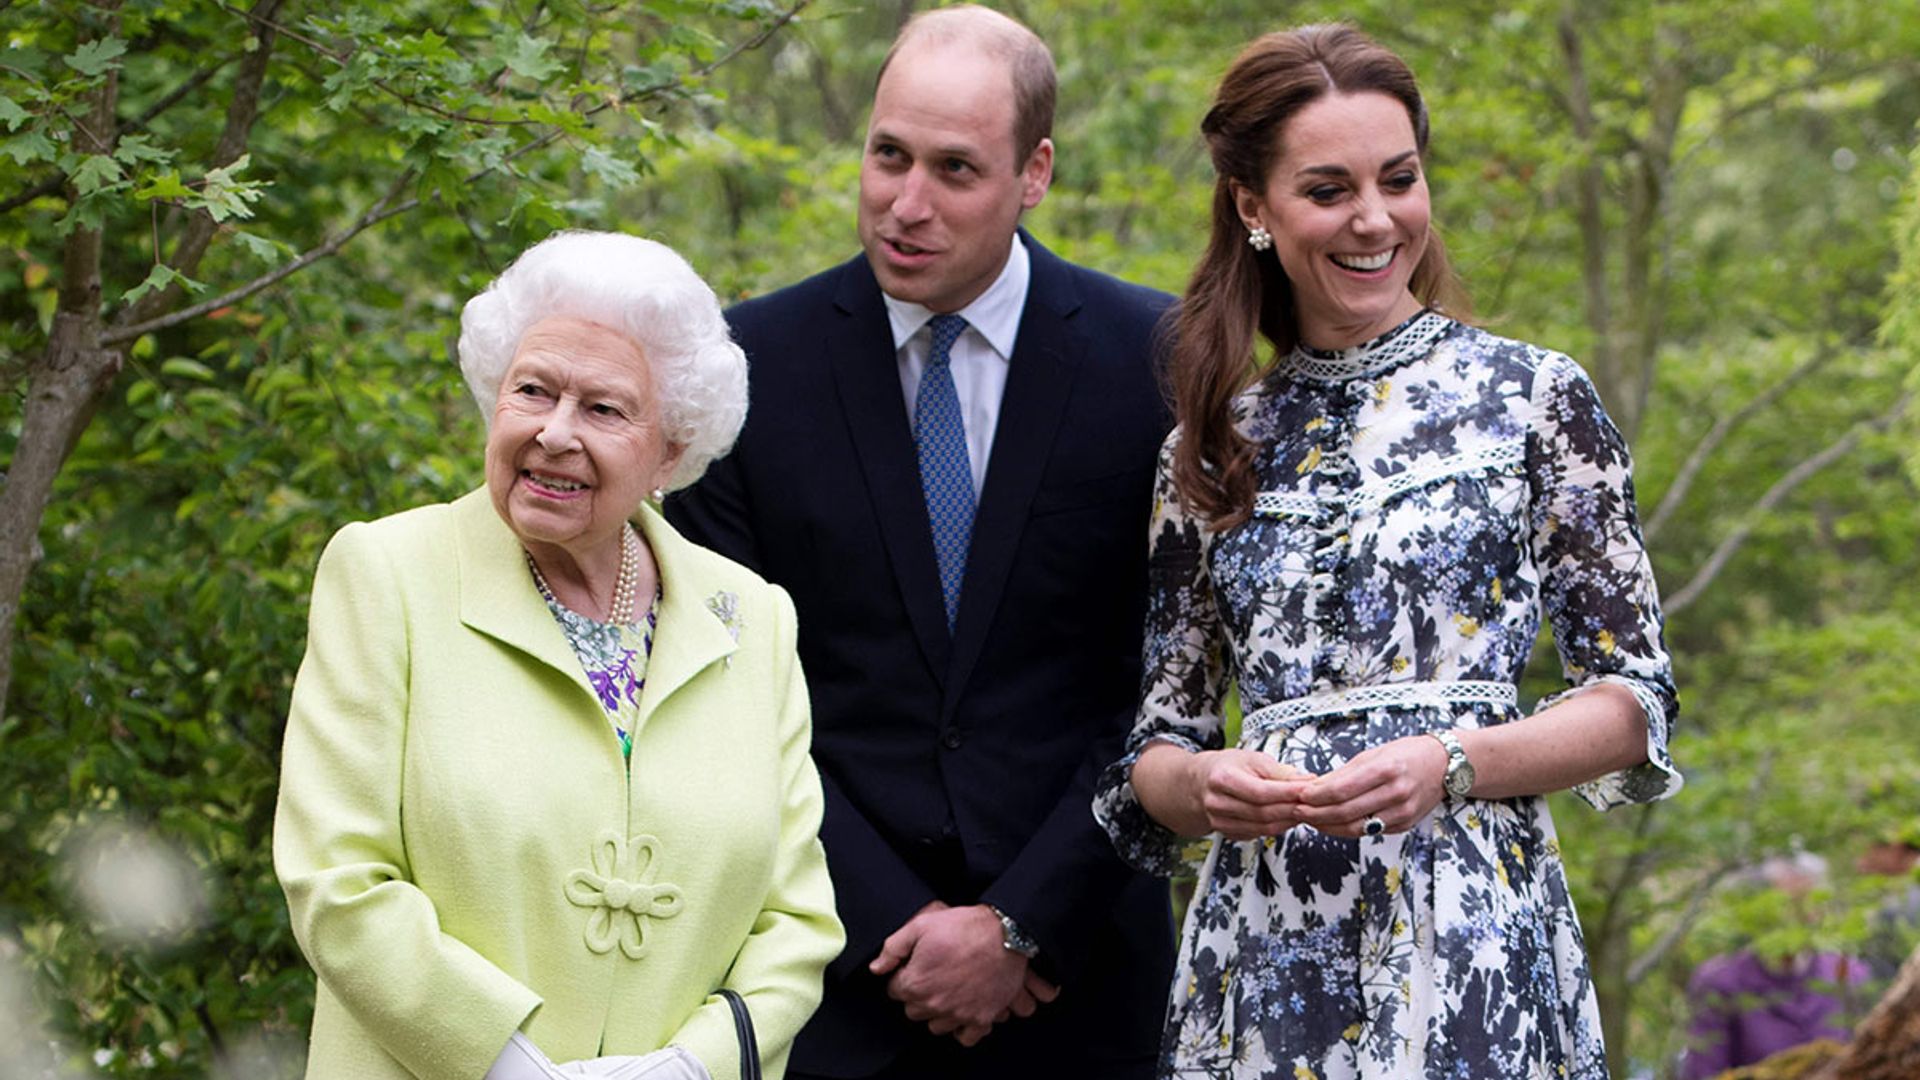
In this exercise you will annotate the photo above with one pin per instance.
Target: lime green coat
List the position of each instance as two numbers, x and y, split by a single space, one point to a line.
465 853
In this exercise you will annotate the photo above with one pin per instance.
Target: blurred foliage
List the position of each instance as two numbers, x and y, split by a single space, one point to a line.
1760 242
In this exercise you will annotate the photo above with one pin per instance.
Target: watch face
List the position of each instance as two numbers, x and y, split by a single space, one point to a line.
1460 776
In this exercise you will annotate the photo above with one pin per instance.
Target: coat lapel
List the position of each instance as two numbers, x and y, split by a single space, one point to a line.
691 634
497 596
1046 358
860 347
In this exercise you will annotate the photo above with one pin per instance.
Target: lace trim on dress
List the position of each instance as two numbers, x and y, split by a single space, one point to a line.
1411 339
1265 723
1371 495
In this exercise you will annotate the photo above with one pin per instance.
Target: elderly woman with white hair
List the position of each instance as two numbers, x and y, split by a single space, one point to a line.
546 806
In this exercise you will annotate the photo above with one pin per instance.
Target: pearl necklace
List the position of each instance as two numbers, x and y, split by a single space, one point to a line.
620 605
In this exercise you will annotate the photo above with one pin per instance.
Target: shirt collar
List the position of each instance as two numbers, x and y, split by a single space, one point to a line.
994 314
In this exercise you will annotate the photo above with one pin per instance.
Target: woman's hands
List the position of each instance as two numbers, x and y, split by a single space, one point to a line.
1398 782
1245 794
520 1059
1240 794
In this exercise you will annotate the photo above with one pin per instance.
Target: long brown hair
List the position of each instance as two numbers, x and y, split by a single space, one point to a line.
1236 291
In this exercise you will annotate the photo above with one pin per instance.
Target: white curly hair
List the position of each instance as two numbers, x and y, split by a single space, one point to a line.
640 288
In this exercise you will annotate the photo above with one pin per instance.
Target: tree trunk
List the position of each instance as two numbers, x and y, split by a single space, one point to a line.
1609 959
64 384
1886 1045
69 379
1589 201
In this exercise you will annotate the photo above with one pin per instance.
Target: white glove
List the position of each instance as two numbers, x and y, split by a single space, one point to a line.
521 1060
673 1063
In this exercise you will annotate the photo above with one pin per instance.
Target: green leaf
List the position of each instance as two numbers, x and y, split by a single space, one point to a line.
97 57
160 277
139 149
29 147
262 248
12 114
96 171
527 56
182 367
23 59
224 195
85 213
428 46
604 165
165 186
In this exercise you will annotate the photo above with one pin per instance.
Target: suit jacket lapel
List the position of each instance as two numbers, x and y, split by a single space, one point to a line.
1046 358
867 376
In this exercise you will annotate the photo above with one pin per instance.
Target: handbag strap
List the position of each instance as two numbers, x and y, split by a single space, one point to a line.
743 1027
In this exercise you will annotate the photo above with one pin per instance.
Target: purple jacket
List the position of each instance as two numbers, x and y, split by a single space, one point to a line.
1746 1010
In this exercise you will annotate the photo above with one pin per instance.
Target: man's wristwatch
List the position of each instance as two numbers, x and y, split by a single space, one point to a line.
1012 938
1459 778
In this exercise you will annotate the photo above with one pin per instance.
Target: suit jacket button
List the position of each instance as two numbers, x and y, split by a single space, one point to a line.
951 740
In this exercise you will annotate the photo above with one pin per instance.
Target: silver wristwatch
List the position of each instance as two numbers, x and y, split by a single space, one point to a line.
1012 938
1459 778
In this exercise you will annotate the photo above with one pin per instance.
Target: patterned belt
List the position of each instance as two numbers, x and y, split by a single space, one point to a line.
1281 716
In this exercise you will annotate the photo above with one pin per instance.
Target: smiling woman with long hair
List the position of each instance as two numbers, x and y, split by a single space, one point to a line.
1362 538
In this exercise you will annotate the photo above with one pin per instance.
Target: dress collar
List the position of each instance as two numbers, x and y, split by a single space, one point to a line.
1391 349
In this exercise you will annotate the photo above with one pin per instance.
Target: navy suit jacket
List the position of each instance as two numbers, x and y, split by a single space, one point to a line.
961 766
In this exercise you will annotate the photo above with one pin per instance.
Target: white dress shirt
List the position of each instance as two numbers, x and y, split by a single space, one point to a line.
978 359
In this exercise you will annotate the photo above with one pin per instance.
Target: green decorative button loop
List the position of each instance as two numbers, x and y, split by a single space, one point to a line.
620 895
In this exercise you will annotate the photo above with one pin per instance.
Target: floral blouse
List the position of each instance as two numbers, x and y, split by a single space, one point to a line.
615 658
1423 499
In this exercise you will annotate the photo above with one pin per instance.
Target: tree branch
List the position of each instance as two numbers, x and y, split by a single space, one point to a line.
374 215
380 211
1683 480
241 112
53 183
1647 961
1589 210
1638 968
643 93
1631 871
1822 79
1781 488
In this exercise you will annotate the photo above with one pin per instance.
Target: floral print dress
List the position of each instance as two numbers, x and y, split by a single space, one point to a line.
1423 498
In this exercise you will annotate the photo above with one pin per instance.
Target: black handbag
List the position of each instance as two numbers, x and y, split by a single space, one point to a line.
743 1027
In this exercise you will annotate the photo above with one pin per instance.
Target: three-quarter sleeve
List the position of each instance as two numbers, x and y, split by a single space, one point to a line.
431 1001
1596 579
1183 678
778 969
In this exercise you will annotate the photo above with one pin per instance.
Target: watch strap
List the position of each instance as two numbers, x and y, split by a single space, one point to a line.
1458 779
1013 938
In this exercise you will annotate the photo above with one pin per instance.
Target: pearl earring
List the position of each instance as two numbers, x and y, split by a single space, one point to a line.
1259 239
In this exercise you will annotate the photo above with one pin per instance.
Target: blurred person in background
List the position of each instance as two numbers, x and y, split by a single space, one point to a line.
1748 1007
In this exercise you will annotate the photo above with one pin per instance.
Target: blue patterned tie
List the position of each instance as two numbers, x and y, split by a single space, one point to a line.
946 472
